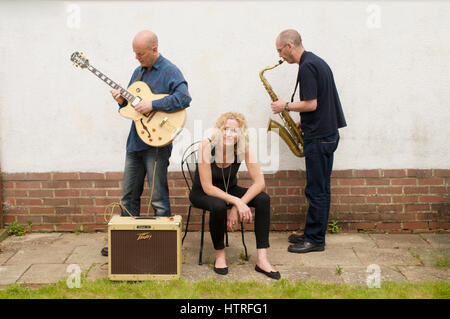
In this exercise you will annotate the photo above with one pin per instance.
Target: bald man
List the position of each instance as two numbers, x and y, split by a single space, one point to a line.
163 77
321 116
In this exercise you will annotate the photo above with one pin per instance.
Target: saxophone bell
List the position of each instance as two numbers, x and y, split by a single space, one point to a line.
285 136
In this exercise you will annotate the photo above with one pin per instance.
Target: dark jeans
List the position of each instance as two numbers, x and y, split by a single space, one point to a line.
319 164
137 166
218 215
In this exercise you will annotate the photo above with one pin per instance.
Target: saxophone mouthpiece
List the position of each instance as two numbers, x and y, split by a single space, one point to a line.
281 61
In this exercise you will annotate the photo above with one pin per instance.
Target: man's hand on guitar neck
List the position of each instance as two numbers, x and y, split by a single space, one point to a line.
116 96
143 107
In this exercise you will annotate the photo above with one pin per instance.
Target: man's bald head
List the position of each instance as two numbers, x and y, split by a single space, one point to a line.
289 46
290 36
146 38
145 46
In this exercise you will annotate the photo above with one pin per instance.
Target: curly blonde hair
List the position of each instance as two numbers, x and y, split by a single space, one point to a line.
243 140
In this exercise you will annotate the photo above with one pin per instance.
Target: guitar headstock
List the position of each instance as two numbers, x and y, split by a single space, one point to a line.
79 60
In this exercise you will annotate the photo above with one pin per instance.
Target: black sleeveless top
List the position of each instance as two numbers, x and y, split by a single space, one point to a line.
217 175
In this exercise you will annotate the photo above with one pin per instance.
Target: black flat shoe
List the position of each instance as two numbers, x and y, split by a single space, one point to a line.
220 271
305 247
296 238
273 274
105 252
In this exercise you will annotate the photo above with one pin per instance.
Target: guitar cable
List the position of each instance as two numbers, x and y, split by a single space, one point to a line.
112 206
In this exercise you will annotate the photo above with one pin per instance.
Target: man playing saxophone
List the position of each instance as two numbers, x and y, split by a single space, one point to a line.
321 116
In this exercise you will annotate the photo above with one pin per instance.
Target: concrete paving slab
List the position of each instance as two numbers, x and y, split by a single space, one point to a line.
438 240
35 248
280 257
97 271
360 275
30 240
236 272
395 241
6 255
29 256
319 274
84 239
349 241
44 274
244 272
431 257
331 258
386 257
418 274
192 272
10 274
85 255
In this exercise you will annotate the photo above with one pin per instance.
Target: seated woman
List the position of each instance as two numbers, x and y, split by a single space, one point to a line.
215 186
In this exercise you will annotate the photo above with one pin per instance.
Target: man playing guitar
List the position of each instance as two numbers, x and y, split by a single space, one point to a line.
142 159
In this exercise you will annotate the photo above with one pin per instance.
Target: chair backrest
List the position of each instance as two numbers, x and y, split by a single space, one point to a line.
189 163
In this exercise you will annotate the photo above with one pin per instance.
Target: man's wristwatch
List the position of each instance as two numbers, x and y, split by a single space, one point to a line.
286 108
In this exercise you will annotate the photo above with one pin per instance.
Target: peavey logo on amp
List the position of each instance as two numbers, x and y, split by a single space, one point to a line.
144 236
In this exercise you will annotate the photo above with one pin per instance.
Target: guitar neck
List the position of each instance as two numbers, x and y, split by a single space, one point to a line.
127 95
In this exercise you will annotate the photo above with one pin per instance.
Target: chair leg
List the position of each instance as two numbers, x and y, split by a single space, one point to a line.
243 241
201 238
187 225
226 234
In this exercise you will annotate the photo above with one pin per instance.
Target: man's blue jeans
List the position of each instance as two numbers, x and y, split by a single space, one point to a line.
319 153
139 164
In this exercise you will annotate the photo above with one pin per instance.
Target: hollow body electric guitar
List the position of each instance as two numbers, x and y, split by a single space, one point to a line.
156 128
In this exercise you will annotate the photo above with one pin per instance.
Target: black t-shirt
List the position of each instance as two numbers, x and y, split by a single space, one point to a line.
317 82
221 177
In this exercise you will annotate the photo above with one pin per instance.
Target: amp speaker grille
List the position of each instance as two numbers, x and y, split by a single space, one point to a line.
143 252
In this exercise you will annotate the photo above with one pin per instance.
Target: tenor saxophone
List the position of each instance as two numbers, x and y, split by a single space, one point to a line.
289 133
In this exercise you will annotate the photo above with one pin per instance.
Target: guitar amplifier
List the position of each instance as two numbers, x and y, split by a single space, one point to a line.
144 248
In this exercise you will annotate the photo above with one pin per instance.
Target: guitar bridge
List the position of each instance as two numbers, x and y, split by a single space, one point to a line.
163 121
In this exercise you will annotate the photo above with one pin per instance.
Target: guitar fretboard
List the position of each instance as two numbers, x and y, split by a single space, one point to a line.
127 95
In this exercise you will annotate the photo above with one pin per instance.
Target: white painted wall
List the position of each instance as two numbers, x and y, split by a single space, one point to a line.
390 60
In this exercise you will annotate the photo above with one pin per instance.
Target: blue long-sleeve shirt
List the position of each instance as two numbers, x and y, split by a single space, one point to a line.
162 78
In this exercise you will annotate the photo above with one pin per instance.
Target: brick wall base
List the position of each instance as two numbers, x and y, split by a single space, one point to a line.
376 200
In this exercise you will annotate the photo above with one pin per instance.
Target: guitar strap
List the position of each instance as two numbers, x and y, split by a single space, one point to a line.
141 73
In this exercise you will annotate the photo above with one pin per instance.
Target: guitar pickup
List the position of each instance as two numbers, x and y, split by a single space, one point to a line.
136 101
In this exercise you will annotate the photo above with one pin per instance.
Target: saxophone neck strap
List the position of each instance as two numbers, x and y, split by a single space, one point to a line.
296 84
298 75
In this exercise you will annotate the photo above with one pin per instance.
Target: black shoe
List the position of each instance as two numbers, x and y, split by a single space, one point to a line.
296 239
220 271
105 252
305 247
273 274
